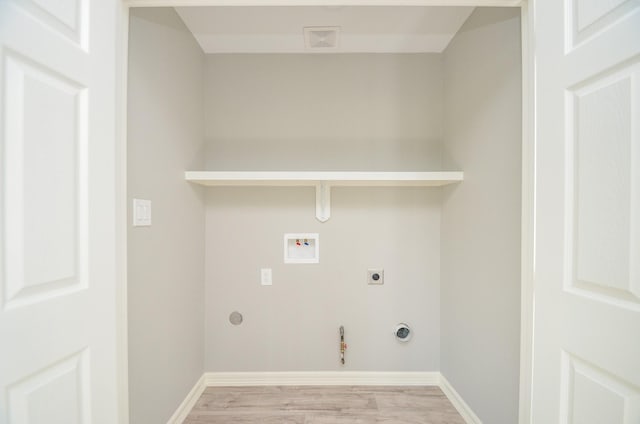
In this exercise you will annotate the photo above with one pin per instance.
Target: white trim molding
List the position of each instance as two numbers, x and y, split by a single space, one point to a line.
528 211
181 3
454 397
189 402
322 378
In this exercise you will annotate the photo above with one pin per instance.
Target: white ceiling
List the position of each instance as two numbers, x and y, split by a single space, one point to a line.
363 29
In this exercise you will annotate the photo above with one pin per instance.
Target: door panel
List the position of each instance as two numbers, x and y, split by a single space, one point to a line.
588 18
45 217
591 395
602 187
67 18
57 246
56 394
587 286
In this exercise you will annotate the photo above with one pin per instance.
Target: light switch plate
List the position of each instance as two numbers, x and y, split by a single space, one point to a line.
141 213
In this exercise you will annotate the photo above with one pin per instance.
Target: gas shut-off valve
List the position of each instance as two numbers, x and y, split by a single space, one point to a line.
343 345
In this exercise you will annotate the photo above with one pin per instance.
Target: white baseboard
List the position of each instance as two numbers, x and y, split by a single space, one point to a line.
454 397
322 378
189 402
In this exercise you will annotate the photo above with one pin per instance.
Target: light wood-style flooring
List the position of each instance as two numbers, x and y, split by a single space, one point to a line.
324 405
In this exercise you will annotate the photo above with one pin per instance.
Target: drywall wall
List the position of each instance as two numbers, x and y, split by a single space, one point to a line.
293 324
481 217
166 260
323 112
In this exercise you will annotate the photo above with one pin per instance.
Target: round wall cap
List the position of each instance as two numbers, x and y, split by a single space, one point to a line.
235 318
403 332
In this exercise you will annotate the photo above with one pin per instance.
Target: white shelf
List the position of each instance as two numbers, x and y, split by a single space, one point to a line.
323 181
311 178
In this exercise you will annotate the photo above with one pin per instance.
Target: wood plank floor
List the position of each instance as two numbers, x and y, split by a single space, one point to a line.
324 405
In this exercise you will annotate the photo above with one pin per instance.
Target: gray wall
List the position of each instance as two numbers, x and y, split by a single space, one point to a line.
451 257
324 112
166 260
480 235
320 112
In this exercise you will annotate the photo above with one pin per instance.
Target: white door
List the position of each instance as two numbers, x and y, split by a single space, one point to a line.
587 263
57 178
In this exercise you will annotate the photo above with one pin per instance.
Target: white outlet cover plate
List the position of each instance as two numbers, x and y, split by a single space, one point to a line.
141 213
266 277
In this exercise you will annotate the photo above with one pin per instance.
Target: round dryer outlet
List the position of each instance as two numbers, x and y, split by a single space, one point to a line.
403 332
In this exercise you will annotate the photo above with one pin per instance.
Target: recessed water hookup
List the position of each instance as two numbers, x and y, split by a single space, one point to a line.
403 332
301 248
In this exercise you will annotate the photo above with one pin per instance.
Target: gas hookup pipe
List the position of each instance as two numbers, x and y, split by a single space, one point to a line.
343 345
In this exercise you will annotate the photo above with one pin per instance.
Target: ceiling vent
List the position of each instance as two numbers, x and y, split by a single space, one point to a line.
321 38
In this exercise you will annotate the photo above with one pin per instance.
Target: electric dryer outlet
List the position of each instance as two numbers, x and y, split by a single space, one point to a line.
375 276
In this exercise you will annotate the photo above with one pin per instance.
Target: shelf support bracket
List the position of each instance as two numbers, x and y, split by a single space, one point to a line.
323 201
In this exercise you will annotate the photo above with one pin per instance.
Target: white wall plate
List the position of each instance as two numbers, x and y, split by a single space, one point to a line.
301 248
